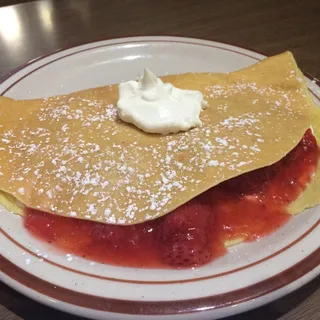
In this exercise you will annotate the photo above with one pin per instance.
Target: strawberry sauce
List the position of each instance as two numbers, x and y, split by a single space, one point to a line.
249 207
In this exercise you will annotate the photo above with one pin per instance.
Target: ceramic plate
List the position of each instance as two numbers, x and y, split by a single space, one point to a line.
252 274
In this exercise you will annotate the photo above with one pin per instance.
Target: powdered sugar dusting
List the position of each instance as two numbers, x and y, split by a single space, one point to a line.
81 161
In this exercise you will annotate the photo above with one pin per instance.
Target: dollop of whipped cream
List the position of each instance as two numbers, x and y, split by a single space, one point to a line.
157 107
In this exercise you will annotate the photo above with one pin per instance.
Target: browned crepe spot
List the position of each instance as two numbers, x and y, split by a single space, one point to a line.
70 155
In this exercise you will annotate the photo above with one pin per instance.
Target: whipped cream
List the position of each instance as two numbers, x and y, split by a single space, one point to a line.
157 107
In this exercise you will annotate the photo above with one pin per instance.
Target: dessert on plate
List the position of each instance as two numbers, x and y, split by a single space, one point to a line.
163 172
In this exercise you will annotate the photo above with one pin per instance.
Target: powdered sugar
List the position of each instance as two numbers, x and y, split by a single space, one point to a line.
213 163
83 162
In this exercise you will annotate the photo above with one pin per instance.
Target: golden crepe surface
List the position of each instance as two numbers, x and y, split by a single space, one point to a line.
70 155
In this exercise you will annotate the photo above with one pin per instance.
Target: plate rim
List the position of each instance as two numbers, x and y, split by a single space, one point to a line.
151 282
290 273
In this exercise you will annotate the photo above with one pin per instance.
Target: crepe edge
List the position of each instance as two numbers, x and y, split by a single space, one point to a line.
310 197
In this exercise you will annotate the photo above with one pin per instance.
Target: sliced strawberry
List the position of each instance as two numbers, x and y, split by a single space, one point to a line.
191 215
184 236
196 235
251 182
309 141
185 252
307 144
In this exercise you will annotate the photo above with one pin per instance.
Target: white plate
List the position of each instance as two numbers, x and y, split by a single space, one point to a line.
249 276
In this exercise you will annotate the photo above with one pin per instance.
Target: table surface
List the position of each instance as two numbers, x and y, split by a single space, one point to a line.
30 29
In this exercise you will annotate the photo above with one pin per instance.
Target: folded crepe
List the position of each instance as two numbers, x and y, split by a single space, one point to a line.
72 156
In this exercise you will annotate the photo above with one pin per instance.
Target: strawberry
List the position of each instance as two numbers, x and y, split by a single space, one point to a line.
184 252
252 182
309 141
190 215
192 235
183 239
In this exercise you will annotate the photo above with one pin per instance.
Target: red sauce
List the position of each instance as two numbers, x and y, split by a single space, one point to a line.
250 206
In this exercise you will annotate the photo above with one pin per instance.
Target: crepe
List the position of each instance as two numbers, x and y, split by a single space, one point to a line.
311 195
72 156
